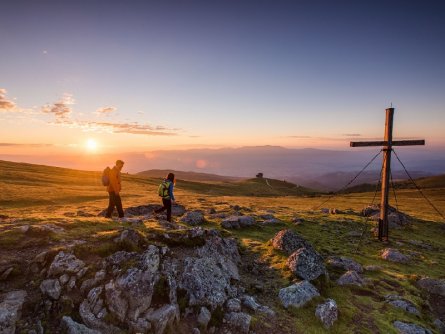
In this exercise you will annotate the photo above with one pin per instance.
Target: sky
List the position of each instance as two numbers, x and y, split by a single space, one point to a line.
92 77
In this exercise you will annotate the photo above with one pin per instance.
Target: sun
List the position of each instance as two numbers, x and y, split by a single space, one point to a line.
91 145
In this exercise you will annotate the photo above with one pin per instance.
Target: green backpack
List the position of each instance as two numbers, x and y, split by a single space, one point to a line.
163 188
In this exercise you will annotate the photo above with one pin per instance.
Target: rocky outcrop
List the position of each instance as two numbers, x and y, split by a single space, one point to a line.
10 310
65 263
239 322
288 241
297 294
407 328
396 219
306 263
394 255
327 313
236 222
51 288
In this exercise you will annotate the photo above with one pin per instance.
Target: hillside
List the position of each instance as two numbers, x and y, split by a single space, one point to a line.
64 265
188 176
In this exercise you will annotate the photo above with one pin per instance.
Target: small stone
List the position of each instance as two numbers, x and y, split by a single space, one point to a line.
238 321
10 310
373 268
351 277
204 317
6 274
393 255
193 218
407 328
403 304
196 331
297 294
327 313
64 279
51 288
233 305
72 327
344 263
440 326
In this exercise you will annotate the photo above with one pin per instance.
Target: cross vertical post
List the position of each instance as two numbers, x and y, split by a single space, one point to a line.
387 144
386 170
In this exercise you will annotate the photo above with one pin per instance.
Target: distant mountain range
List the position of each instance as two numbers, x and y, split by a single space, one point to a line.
189 176
314 168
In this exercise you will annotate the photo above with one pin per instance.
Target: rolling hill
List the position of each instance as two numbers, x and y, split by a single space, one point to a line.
188 176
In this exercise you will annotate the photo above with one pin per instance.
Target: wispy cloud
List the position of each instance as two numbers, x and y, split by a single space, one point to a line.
351 135
130 128
61 109
24 145
105 110
5 104
299 137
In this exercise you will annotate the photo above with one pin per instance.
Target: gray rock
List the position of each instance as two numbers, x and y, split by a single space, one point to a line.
288 241
440 326
207 275
306 263
233 305
434 290
163 318
4 276
404 304
327 313
272 221
406 328
51 288
196 331
64 279
204 317
89 283
373 268
297 294
344 263
71 327
250 303
235 222
130 294
351 277
10 310
65 263
130 237
396 219
94 322
238 321
193 218
393 255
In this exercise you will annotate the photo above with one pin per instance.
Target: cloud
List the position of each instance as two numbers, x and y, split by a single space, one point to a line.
105 110
300 137
5 104
61 109
352 135
24 145
129 128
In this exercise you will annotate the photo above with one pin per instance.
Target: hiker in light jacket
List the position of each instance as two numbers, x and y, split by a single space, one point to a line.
166 192
114 189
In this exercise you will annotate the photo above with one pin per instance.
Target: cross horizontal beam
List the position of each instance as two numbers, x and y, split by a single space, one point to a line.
385 143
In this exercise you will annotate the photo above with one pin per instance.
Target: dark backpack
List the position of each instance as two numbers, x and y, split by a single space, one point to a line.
106 176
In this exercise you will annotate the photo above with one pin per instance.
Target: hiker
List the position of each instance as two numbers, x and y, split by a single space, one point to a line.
114 187
166 192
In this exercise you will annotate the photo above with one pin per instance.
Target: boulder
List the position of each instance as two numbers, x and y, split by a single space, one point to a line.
434 289
51 288
403 304
440 326
193 218
207 275
250 303
394 255
204 317
306 263
163 318
396 219
407 328
10 310
129 237
327 313
344 263
288 241
71 327
351 277
235 222
65 263
238 321
297 294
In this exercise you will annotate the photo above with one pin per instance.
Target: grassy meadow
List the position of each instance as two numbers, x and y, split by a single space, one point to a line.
34 195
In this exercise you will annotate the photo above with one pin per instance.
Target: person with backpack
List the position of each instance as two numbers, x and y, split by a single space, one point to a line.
165 191
113 183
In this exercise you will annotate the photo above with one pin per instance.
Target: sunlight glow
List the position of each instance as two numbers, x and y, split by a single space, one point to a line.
91 145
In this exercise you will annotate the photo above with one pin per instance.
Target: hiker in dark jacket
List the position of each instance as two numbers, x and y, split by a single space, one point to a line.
114 188
166 192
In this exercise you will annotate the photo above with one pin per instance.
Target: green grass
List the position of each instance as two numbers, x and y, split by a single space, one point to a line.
35 195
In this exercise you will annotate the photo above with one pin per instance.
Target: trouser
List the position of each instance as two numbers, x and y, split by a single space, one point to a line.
167 205
114 201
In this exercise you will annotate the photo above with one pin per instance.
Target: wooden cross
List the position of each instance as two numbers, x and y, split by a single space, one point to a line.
387 144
